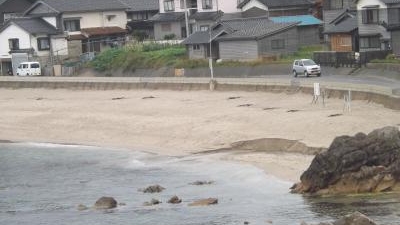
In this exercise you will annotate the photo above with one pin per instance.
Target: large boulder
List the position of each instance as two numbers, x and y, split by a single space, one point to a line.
361 163
356 218
105 203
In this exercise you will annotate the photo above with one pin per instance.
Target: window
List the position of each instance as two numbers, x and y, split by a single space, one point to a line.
204 28
169 5
166 27
337 4
43 44
182 4
110 17
370 42
72 25
207 4
35 65
13 43
196 47
370 16
278 44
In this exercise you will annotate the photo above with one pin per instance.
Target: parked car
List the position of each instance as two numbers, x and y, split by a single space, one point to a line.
29 69
306 67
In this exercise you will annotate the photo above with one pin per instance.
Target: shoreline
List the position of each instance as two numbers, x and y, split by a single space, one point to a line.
181 123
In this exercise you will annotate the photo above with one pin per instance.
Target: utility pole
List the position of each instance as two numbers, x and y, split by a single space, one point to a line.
186 18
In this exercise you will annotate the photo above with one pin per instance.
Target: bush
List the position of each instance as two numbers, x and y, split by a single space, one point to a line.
169 37
140 35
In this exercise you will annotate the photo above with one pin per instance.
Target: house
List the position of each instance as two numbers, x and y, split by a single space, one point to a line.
343 37
340 25
274 8
171 21
378 25
139 14
24 39
308 28
89 26
13 8
244 39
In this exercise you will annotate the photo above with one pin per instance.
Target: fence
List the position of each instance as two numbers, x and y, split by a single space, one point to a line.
348 59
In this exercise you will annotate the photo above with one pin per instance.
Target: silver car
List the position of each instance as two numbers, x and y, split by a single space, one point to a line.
306 67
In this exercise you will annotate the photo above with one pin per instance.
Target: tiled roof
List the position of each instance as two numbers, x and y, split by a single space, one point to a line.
33 25
304 20
142 5
253 28
85 5
168 17
346 26
2 1
206 15
279 3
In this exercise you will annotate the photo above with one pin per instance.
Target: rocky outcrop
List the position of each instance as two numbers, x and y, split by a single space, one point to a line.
152 202
105 203
352 219
205 202
362 163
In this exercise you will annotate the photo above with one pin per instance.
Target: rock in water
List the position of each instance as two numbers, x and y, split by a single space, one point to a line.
352 219
175 200
362 163
105 203
205 202
153 189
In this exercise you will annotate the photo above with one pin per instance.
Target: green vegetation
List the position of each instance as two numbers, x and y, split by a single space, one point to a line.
139 56
153 55
304 52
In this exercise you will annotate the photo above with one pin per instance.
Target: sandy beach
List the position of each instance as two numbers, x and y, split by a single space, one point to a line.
179 123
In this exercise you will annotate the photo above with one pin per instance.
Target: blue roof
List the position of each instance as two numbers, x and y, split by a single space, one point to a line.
304 20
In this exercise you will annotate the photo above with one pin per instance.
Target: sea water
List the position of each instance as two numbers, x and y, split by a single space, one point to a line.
44 184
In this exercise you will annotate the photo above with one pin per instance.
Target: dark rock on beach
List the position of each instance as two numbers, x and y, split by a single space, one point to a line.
153 189
355 164
175 200
200 182
152 202
105 203
352 219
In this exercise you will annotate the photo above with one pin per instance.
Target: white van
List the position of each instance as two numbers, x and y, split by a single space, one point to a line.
29 69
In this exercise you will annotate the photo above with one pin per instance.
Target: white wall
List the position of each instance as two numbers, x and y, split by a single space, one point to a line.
99 19
60 46
13 32
254 3
177 4
51 20
228 6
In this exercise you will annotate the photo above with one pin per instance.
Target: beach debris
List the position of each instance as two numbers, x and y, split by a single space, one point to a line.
118 98
153 189
334 115
105 203
246 222
245 105
205 202
355 218
122 204
292 110
82 207
148 97
39 98
234 97
270 108
355 164
152 202
174 200
199 182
